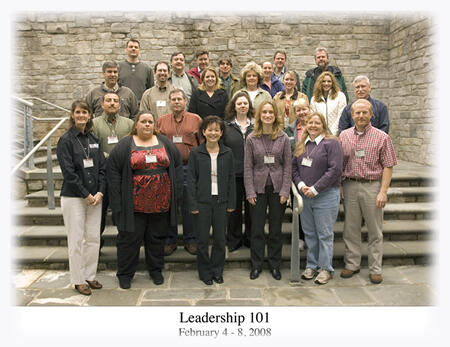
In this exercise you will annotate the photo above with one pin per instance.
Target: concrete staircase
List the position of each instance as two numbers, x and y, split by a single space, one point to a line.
40 240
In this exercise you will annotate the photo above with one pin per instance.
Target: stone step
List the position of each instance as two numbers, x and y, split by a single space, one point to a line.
395 252
25 215
395 195
54 235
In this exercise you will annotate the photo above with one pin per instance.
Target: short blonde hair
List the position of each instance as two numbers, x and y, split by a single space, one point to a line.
251 66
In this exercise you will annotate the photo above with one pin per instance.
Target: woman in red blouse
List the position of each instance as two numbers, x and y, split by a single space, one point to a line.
143 172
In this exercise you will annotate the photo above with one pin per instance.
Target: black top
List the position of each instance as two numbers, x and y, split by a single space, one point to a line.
120 182
72 150
204 105
235 139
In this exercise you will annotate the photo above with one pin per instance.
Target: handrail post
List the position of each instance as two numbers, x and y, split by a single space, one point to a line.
28 135
297 206
50 185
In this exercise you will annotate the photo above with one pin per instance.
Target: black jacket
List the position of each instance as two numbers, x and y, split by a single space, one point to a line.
199 176
120 182
79 181
204 105
234 139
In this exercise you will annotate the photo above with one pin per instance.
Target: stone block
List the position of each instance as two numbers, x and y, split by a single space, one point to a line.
122 28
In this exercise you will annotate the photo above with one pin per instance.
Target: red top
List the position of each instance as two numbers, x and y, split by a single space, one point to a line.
151 183
366 155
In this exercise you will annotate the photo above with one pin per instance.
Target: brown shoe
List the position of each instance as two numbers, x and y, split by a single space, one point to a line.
95 284
83 289
376 278
191 248
169 249
346 273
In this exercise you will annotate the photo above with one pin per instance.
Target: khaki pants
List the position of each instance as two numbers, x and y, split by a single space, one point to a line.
360 201
82 225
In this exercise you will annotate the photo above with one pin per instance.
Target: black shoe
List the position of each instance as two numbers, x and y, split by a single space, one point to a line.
191 248
208 282
157 278
124 283
218 279
234 248
276 274
169 249
254 274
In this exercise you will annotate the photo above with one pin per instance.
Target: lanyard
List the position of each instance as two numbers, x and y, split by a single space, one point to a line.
86 155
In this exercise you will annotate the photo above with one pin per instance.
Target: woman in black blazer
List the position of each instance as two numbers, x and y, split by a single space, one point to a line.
209 99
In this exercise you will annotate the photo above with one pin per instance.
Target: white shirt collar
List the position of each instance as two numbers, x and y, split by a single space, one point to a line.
317 140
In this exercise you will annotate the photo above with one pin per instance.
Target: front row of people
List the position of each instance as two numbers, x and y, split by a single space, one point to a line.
145 184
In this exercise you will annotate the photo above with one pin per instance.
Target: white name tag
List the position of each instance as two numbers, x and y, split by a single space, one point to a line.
269 159
88 163
150 158
307 162
93 145
177 139
161 103
359 153
112 139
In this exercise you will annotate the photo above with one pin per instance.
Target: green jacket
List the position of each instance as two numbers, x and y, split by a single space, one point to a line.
311 76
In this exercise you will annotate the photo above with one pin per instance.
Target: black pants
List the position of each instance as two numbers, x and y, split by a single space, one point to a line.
150 228
274 241
214 215
234 229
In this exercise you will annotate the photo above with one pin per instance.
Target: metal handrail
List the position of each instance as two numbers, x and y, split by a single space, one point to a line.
297 207
47 138
35 148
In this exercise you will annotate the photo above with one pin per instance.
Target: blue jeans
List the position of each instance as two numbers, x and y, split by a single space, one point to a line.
318 217
188 229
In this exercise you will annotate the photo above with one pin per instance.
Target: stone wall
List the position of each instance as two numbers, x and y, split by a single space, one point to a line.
412 110
59 56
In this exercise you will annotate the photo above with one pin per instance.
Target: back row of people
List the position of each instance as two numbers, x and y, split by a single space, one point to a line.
208 90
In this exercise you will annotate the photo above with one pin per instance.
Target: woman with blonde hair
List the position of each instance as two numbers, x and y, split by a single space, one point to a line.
328 100
209 98
267 180
316 171
285 99
252 78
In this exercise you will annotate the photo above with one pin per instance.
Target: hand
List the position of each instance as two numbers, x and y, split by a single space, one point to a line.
89 199
230 209
252 201
194 212
307 192
98 198
381 199
283 199
342 193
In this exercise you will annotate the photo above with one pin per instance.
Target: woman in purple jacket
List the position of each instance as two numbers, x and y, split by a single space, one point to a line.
316 171
267 179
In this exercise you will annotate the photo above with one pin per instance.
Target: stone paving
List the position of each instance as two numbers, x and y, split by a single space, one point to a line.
407 285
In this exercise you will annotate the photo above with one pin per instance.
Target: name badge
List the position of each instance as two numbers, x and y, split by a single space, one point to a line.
112 139
177 139
307 162
89 162
150 158
161 103
93 145
359 153
269 159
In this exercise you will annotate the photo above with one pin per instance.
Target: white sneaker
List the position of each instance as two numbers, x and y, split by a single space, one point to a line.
308 274
323 277
301 245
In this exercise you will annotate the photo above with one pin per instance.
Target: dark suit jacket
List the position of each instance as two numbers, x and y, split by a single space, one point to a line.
203 105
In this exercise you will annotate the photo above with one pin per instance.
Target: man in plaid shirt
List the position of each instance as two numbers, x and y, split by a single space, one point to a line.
367 170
